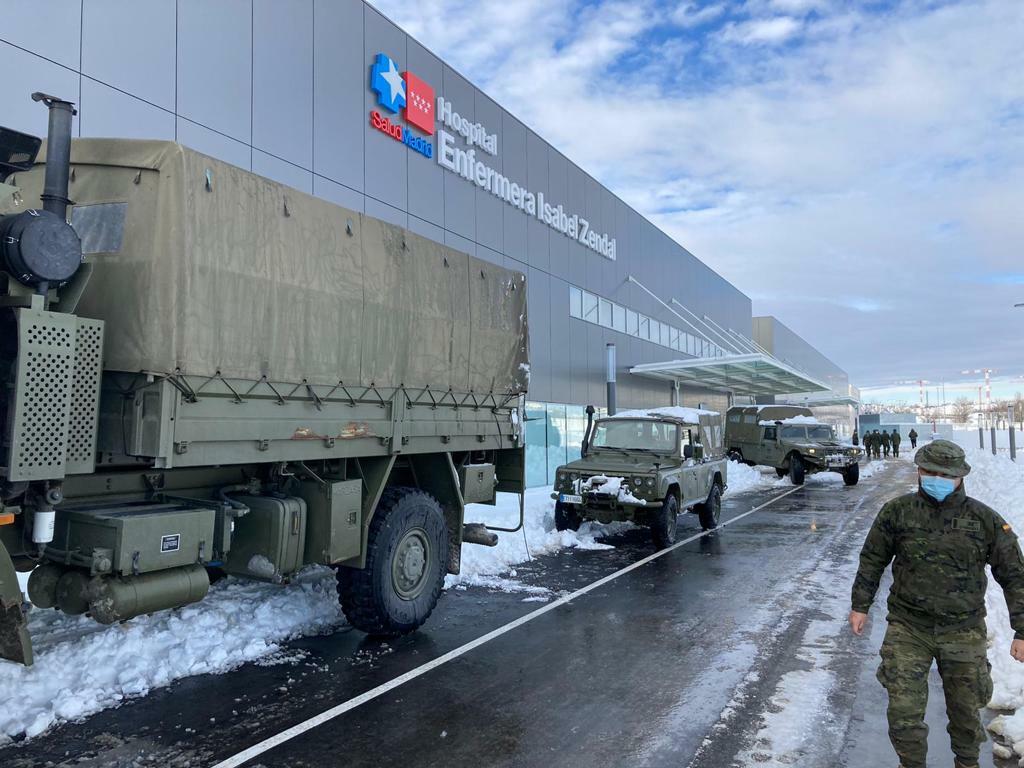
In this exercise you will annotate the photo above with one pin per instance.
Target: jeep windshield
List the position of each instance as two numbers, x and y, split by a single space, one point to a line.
636 435
814 432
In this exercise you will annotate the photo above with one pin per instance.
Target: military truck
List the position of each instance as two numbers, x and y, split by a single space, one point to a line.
207 372
789 439
645 466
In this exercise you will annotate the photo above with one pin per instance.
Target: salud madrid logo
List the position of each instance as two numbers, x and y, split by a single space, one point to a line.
402 92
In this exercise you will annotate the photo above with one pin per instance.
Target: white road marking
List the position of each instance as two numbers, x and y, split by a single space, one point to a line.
317 720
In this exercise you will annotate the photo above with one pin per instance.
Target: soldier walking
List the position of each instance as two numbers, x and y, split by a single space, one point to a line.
913 437
939 541
876 443
856 438
897 438
886 443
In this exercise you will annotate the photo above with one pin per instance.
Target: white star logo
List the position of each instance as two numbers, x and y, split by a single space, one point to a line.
394 80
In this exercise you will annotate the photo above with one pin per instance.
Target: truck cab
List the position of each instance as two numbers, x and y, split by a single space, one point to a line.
791 440
645 466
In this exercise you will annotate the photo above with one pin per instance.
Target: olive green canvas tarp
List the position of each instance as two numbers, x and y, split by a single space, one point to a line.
203 267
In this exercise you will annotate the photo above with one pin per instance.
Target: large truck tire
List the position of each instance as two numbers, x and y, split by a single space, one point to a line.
566 518
851 474
710 511
664 521
406 556
796 469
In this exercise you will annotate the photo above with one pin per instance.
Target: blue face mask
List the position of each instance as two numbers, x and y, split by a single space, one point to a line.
937 487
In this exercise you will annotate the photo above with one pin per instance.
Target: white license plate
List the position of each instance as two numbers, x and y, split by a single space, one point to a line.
568 498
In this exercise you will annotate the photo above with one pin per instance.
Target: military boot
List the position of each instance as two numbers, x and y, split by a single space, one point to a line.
958 763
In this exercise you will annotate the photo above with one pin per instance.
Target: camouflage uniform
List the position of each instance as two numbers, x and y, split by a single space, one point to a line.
876 441
913 438
897 438
886 442
939 552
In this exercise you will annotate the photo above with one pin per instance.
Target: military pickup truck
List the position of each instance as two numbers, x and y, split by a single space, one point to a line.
206 372
789 439
645 466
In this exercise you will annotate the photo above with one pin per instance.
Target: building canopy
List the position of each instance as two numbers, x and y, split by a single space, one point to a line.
753 375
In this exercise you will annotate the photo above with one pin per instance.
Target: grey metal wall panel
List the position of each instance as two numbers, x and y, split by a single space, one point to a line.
425 228
459 194
20 112
338 193
426 177
385 169
514 221
579 385
214 65
538 303
463 244
107 112
558 331
386 212
130 46
282 79
50 29
340 80
489 213
537 233
202 139
491 255
282 171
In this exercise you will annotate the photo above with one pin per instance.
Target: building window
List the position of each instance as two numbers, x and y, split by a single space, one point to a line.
604 312
589 307
575 302
645 326
632 322
619 318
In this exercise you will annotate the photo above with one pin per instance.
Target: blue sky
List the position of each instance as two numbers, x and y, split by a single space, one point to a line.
856 168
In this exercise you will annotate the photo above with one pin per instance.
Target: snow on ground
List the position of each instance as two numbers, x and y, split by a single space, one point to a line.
82 667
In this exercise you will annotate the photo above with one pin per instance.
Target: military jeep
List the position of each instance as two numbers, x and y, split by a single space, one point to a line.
646 467
789 439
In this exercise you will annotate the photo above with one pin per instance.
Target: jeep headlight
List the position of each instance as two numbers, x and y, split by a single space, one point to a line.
810 450
638 482
650 482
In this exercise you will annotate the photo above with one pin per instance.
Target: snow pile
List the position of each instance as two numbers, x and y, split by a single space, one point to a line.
740 478
691 415
603 485
82 667
482 565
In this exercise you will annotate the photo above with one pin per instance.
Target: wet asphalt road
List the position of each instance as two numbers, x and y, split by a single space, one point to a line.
728 651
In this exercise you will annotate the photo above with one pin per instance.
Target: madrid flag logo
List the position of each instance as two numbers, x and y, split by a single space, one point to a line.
419 103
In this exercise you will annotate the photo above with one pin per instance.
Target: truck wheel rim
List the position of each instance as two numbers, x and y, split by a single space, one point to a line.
409 564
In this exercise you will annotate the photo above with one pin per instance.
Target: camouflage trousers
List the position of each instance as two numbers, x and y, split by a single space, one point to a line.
907 655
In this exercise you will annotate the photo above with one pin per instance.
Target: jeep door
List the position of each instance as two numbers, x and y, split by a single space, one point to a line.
771 453
690 482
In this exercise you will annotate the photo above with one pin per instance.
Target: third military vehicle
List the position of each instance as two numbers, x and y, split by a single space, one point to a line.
789 439
207 372
645 466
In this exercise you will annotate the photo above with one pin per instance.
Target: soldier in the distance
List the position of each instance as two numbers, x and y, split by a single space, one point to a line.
939 541
897 438
886 443
913 437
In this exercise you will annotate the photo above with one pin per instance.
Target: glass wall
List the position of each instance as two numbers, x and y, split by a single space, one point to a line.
554 433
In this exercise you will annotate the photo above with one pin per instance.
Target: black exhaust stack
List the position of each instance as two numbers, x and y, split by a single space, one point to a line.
58 154
585 448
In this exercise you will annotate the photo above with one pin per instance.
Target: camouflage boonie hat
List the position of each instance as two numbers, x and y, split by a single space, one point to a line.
944 458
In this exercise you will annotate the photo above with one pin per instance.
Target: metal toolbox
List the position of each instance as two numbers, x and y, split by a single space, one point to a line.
334 522
134 537
477 481
269 542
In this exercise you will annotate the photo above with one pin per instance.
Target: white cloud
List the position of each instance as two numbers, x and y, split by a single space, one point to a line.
775 30
693 15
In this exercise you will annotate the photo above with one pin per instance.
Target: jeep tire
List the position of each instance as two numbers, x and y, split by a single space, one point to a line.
796 469
406 561
710 511
664 522
851 474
